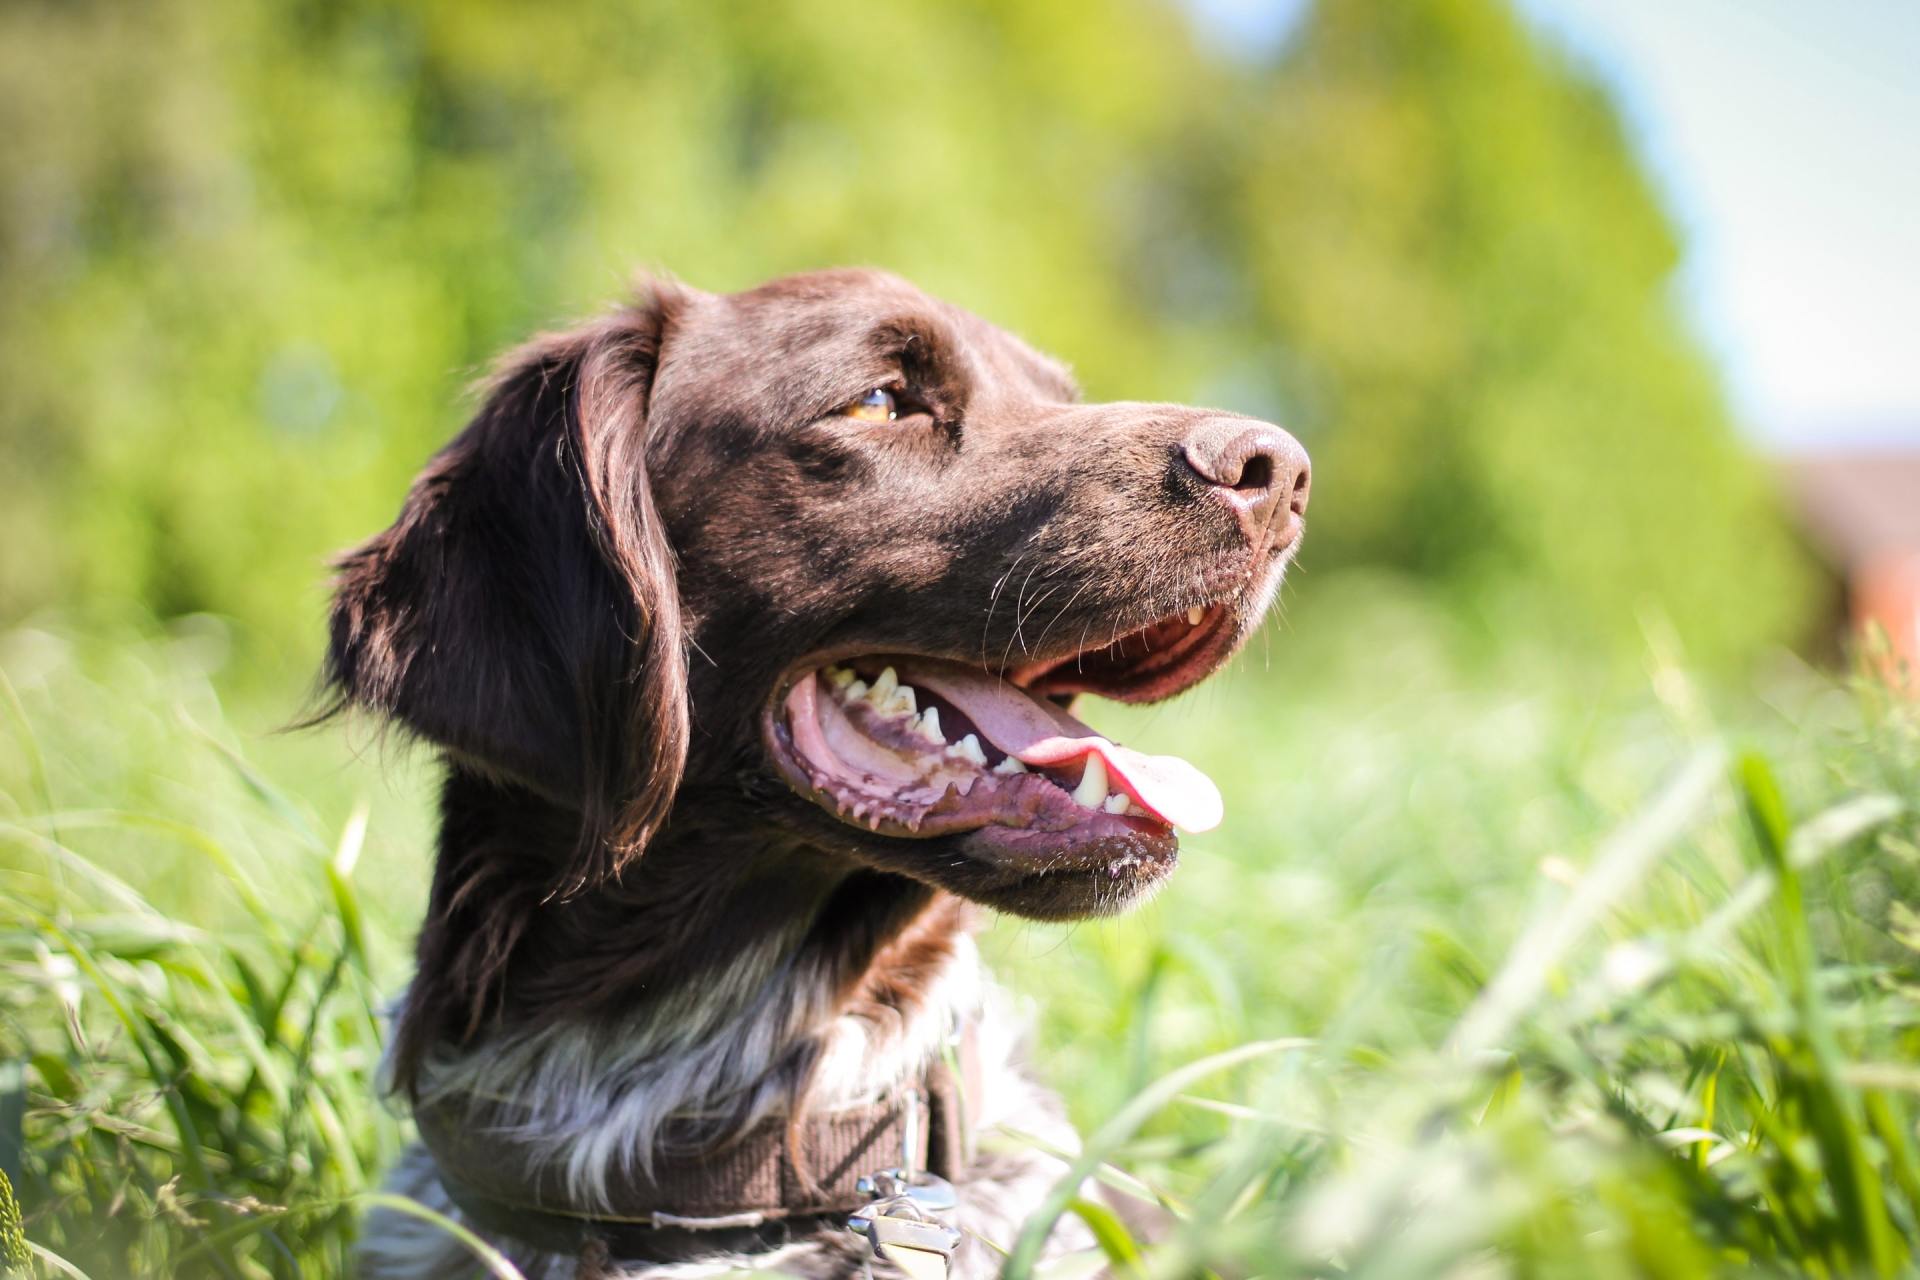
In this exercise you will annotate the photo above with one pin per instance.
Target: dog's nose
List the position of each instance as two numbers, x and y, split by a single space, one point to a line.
1252 467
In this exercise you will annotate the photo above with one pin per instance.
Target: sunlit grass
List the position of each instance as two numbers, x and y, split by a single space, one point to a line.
1490 973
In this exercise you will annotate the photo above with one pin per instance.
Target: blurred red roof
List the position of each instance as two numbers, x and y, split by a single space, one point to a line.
1859 505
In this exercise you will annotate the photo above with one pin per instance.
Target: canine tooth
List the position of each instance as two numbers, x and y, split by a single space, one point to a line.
968 749
1194 615
883 686
1092 791
928 726
1118 802
855 691
1010 766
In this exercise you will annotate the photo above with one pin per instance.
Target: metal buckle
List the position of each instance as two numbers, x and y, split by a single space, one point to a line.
898 1231
903 1223
929 1191
897 1226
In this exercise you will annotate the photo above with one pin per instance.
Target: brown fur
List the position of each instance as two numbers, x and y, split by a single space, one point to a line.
591 596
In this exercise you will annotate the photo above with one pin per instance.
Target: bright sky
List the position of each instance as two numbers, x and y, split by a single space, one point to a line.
1785 136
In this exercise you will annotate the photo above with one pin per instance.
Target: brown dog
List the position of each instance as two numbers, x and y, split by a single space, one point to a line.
747 626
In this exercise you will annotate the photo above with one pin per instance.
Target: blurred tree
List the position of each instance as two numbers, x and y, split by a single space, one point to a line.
253 252
249 253
1453 241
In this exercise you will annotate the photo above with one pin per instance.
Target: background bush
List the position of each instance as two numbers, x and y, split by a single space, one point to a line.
255 251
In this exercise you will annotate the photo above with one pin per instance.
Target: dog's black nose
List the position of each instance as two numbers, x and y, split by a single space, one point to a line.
1253 467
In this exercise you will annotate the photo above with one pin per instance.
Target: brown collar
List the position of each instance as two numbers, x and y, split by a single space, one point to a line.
743 1196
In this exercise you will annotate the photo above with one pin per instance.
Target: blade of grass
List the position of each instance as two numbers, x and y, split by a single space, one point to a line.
1833 1108
55 1261
1115 1241
496 1262
1123 1124
1621 862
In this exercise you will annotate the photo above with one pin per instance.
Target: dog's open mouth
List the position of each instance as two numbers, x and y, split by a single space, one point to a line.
920 747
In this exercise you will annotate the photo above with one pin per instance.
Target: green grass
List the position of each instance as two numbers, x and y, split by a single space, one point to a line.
1491 971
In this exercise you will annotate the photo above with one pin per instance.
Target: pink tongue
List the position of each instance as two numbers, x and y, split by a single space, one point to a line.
1036 732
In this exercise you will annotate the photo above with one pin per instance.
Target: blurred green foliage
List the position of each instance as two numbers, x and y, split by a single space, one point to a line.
250 253
1519 981
1453 237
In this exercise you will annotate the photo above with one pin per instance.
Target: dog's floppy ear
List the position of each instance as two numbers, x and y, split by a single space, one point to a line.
522 612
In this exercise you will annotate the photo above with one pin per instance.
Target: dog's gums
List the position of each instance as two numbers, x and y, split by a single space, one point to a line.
918 747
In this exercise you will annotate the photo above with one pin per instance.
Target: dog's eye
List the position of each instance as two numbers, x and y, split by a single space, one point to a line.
878 405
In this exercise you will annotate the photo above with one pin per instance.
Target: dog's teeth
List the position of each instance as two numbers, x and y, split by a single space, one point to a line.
1010 766
890 697
928 726
1092 791
854 692
1118 802
968 749
1194 615
838 677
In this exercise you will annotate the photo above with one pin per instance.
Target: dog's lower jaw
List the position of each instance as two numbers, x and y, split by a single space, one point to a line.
591 1098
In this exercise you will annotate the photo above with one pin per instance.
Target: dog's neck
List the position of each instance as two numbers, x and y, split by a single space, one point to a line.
724 978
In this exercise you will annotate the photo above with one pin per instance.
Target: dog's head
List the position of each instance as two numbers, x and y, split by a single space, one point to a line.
831 558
